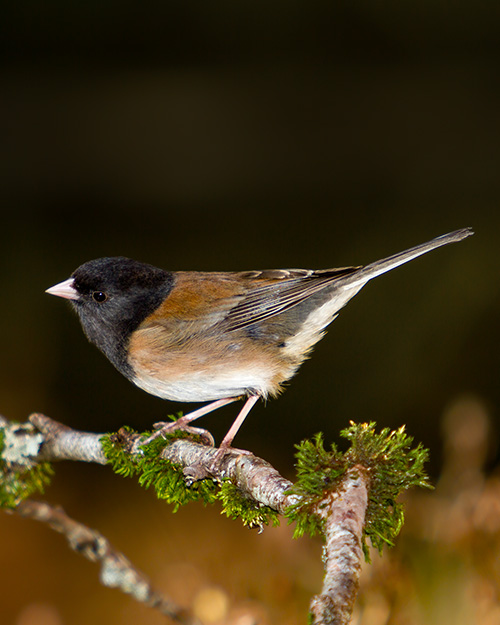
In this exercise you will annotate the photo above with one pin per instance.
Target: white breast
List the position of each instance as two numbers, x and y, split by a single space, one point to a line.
203 386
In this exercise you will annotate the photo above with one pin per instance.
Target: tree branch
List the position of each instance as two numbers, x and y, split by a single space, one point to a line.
330 496
63 443
116 570
252 475
344 513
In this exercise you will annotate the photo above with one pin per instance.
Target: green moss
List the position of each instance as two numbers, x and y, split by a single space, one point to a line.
168 481
152 471
236 505
392 465
318 471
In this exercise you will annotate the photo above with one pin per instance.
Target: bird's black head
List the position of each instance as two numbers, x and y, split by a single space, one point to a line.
112 296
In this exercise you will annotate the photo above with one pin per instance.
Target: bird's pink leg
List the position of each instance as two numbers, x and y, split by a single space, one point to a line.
163 427
196 414
249 404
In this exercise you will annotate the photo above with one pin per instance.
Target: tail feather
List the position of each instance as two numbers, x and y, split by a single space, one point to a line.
379 267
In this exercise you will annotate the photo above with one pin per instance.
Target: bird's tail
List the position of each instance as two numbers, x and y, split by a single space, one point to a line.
375 269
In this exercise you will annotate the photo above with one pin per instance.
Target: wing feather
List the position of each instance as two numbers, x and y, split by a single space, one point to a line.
269 300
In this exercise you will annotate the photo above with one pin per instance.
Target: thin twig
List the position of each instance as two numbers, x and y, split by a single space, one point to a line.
116 570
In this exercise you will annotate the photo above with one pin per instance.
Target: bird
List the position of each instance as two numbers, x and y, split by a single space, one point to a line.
216 337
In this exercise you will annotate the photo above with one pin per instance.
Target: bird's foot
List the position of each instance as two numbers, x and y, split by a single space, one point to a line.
164 428
216 469
225 452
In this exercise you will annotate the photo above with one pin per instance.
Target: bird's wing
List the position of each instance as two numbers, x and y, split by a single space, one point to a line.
287 288
274 291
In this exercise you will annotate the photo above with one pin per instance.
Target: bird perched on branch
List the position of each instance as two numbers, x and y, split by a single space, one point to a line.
214 336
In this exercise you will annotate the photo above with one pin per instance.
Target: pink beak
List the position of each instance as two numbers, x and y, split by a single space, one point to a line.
64 289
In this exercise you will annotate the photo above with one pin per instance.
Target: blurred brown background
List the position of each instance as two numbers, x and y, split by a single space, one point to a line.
237 136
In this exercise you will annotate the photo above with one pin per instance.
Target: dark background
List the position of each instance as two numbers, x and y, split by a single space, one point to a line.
226 136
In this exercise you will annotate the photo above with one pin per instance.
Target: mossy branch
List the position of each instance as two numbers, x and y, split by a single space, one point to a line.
347 497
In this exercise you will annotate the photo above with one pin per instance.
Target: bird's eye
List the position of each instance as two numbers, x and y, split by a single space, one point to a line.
99 297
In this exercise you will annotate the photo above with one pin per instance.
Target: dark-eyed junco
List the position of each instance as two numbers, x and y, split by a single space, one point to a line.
193 337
